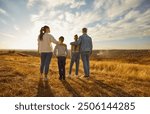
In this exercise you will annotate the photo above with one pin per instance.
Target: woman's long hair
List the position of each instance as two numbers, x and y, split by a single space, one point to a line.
43 31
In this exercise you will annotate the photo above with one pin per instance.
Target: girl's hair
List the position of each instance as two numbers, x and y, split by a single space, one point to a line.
42 31
76 38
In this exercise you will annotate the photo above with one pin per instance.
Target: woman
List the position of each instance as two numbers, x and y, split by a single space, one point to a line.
45 49
75 56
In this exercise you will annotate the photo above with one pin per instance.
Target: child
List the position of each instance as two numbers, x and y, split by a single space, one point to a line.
75 56
61 52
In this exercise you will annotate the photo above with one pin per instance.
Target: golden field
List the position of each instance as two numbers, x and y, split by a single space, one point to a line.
19 76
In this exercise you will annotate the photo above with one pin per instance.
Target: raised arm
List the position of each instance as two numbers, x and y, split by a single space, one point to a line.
53 39
55 50
77 42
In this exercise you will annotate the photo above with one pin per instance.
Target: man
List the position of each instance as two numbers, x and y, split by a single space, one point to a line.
86 46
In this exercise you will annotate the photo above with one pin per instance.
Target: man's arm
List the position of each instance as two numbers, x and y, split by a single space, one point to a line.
91 46
77 42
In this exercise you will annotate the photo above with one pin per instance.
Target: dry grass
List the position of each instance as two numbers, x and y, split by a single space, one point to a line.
19 76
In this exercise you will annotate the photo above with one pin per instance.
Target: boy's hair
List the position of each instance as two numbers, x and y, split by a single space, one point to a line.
61 38
84 30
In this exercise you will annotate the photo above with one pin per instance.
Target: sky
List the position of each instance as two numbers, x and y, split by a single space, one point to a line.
112 24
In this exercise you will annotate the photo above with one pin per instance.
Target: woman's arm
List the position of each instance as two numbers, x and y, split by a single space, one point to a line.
53 40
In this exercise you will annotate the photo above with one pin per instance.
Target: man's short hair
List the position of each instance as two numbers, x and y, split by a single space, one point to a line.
84 30
61 38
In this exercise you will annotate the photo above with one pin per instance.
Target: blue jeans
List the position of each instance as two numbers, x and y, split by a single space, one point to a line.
75 58
45 61
86 65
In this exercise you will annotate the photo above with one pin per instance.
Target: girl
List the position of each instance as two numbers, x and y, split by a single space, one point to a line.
75 56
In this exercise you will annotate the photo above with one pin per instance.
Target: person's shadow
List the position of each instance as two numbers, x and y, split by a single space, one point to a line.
44 89
70 89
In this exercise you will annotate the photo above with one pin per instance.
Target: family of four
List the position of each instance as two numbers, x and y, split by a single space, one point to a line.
81 46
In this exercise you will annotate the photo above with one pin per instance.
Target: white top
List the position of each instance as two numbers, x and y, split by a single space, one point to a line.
45 45
60 50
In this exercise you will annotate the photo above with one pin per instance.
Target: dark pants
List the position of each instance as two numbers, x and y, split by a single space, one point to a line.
45 61
75 57
86 64
61 67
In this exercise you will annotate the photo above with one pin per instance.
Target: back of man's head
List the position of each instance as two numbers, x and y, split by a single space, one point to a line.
84 30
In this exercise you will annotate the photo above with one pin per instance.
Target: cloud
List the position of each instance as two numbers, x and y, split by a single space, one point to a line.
133 25
55 3
114 8
16 27
77 4
3 21
6 35
2 11
31 3
62 21
121 6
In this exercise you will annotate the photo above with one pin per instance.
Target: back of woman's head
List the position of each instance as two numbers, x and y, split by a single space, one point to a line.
43 31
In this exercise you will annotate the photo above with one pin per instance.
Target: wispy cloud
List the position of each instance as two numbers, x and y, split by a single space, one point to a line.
31 3
7 35
16 27
2 11
77 4
123 19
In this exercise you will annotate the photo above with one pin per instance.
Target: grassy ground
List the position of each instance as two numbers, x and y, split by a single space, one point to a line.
19 76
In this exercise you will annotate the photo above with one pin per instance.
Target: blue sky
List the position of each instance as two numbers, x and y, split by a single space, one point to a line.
112 24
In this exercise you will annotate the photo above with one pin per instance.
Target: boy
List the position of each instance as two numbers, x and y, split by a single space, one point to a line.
61 52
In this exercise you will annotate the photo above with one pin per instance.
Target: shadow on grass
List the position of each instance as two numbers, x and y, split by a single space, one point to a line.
70 89
44 89
94 89
115 90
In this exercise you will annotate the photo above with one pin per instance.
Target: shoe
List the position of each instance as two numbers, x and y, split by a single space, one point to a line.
84 76
87 77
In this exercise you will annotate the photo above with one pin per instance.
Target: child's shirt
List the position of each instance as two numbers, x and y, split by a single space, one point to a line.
60 50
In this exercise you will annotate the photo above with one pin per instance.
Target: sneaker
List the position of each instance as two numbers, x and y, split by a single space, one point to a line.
87 77
84 76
